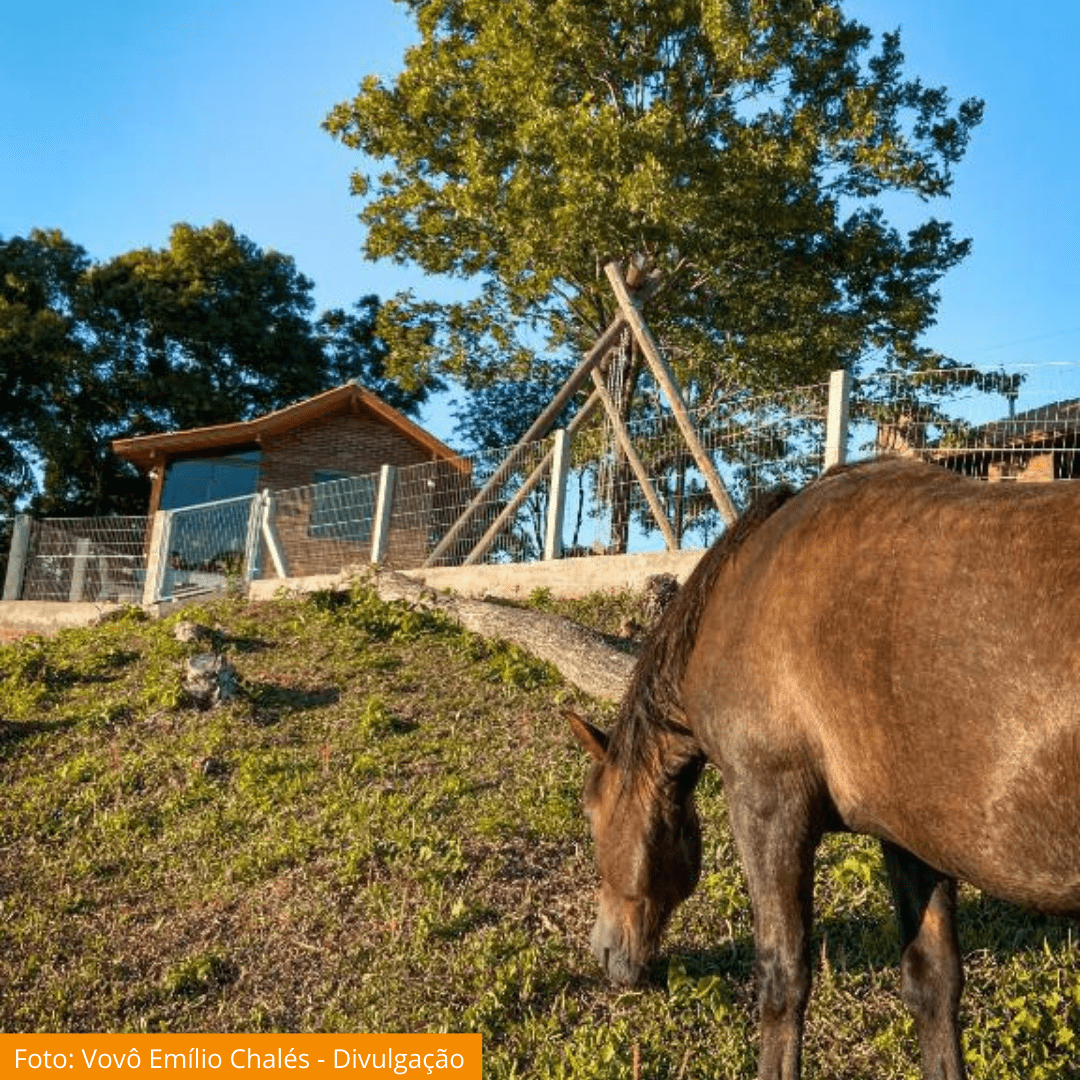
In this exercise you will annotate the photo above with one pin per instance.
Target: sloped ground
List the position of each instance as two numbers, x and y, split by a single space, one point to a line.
382 833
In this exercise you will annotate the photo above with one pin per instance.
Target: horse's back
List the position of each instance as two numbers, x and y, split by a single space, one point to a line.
906 643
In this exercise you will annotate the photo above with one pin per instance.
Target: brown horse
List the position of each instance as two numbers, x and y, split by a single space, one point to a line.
894 651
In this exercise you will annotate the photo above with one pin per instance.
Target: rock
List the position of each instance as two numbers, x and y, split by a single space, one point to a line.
188 632
209 680
659 591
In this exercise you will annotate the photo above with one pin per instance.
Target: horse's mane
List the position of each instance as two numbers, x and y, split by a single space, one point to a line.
652 703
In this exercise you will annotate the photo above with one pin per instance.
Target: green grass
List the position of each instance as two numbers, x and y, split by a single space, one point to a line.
382 832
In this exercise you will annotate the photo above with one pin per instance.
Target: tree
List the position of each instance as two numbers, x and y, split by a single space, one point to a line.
210 329
738 146
352 349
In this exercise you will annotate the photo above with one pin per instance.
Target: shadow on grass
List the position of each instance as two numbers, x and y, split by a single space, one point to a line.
13 732
867 943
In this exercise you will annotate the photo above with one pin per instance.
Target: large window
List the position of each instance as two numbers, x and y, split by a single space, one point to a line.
343 507
202 480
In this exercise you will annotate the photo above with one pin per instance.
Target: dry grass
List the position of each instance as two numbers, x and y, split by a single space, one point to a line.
382 833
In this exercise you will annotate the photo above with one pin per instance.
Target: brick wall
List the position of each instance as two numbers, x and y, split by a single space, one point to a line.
357 445
352 444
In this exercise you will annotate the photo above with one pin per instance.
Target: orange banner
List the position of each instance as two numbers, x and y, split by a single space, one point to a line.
439 1057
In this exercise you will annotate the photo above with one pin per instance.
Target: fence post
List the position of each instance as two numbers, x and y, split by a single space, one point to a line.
837 423
157 557
256 515
269 534
384 505
16 566
78 569
560 469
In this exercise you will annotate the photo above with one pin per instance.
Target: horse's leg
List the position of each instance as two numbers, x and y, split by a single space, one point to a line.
931 977
777 837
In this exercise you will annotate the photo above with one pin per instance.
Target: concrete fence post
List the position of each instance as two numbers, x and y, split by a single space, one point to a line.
270 536
253 538
836 426
560 470
78 570
157 557
16 565
384 505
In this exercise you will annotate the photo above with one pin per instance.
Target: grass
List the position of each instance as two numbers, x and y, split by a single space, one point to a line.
382 833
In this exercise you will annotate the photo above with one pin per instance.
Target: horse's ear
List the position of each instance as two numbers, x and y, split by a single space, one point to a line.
592 738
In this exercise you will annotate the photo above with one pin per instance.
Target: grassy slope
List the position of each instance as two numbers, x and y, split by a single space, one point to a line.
382 833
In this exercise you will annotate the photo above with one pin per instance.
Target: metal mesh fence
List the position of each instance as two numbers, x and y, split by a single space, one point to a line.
1022 425
753 442
92 559
205 547
321 528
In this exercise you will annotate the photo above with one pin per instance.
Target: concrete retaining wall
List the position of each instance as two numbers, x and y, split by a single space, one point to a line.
19 617
565 578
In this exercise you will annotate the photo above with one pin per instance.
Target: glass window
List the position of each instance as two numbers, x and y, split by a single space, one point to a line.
201 480
343 507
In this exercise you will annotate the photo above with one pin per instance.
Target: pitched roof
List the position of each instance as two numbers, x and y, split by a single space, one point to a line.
1035 425
145 451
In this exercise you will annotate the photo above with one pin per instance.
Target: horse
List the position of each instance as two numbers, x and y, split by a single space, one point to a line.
893 651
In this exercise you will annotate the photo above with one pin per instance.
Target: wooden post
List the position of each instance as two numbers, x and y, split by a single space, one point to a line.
837 423
78 570
157 560
16 565
483 545
542 425
666 378
560 469
384 504
270 536
636 464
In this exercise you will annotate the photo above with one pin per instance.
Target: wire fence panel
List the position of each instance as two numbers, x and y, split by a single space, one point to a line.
1022 425
91 559
508 506
988 424
205 547
753 442
323 528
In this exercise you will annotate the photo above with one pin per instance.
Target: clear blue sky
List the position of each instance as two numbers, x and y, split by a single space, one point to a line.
123 117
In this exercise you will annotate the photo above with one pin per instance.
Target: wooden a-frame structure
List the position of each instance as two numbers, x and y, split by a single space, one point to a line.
630 293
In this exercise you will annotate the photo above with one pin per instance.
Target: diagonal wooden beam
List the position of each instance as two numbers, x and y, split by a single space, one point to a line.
541 426
635 463
663 374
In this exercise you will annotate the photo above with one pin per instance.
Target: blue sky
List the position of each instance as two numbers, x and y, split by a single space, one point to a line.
120 118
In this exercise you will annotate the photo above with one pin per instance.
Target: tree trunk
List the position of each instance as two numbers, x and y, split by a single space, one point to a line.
583 657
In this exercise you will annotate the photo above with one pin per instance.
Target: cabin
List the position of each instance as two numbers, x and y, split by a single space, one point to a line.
321 459
1033 446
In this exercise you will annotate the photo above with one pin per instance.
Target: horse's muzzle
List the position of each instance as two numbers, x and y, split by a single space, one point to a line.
613 955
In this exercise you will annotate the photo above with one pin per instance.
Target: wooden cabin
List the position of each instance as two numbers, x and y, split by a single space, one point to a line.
321 459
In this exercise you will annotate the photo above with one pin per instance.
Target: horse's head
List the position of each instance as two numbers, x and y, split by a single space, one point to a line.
648 851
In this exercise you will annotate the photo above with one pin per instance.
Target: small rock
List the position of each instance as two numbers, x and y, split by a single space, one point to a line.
660 590
187 631
209 679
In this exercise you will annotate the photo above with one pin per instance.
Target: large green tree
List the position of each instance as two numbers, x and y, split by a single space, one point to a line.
741 147
209 329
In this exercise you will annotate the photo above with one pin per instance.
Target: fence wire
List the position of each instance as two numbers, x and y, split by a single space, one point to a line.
91 559
990 425
1022 425
206 547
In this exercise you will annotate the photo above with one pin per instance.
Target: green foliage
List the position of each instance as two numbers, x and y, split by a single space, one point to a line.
737 148
209 329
